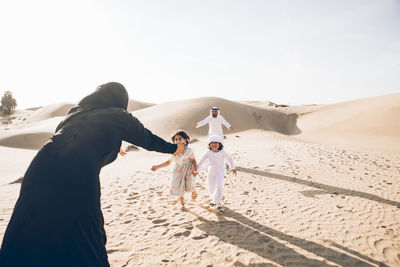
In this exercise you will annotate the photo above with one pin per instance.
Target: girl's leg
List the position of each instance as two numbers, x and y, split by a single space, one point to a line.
194 194
182 203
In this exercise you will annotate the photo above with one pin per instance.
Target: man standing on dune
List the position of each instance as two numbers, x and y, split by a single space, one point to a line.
215 121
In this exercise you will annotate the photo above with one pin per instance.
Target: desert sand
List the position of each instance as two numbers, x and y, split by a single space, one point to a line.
317 185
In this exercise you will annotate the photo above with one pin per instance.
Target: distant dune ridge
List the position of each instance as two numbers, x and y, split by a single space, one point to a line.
135 105
372 123
32 136
50 111
166 117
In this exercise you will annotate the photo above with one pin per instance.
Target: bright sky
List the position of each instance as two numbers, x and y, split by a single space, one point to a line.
289 52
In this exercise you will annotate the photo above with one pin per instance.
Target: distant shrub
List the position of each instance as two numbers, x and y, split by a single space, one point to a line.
8 103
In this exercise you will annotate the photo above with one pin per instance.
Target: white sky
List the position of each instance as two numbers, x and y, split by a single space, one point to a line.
289 52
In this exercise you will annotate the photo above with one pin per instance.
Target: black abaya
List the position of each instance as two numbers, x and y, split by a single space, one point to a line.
57 220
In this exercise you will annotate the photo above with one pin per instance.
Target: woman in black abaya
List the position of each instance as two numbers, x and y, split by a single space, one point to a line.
57 219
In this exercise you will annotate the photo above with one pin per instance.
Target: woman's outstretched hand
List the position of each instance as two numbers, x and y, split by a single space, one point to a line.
180 149
122 153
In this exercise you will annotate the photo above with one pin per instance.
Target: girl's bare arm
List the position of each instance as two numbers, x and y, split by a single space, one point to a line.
162 165
194 166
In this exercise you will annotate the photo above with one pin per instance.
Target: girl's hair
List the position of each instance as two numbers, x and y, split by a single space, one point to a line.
221 146
182 134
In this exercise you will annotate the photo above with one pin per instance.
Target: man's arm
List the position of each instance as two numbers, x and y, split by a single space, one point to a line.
201 123
224 122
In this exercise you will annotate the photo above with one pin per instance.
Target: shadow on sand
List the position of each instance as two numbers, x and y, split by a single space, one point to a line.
323 189
270 244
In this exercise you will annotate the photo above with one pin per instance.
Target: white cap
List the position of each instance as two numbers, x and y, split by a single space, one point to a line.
215 138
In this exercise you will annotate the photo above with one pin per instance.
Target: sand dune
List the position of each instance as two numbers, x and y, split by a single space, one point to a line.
135 105
30 136
372 123
50 111
61 109
166 117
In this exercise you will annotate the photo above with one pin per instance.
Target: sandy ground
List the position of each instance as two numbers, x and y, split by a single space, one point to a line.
293 203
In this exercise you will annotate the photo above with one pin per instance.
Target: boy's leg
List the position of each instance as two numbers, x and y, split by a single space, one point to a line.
211 184
218 189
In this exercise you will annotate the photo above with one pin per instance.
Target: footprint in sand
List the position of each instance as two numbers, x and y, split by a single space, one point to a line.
161 225
190 227
159 221
165 232
110 251
391 253
382 244
185 233
132 198
199 237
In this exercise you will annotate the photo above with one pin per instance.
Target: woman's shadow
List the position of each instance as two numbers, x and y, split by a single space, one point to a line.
238 230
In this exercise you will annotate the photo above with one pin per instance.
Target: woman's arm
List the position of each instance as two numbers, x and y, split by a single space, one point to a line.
133 131
121 152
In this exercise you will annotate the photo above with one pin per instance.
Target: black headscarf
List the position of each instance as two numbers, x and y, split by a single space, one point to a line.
107 95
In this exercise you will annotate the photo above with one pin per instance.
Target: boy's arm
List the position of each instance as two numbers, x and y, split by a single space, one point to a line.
162 165
231 163
200 165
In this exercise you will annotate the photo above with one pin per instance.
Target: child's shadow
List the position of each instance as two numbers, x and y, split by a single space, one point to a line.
269 243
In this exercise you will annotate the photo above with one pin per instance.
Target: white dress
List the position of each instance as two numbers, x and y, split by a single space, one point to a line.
216 172
182 179
215 125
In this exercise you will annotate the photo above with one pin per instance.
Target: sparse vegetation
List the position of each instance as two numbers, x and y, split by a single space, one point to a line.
8 103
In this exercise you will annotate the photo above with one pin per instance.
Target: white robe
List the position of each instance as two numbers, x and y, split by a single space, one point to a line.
216 173
215 125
